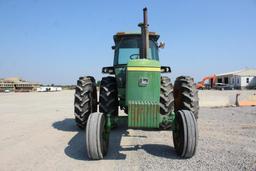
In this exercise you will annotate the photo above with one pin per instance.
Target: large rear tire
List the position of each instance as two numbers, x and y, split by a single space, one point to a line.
166 96
85 101
186 95
109 97
185 134
96 136
166 99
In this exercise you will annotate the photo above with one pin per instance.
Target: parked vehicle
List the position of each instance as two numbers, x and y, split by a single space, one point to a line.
222 86
137 87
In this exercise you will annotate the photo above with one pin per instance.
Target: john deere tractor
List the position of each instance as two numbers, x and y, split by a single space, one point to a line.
136 86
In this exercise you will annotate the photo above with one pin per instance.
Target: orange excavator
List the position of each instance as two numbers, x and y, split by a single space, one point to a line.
212 81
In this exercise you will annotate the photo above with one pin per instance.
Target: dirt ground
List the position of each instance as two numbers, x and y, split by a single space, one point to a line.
37 132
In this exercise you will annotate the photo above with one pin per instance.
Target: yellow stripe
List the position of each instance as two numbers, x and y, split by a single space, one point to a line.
143 69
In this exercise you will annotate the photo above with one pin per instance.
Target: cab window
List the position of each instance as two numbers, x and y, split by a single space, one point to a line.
129 48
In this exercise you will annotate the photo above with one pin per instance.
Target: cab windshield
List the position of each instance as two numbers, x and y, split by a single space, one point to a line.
129 48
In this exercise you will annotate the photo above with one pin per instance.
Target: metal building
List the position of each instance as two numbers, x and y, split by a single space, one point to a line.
241 79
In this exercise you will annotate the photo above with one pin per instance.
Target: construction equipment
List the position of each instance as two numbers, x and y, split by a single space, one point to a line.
137 87
211 82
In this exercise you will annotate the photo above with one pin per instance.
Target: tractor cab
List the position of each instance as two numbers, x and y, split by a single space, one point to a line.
128 47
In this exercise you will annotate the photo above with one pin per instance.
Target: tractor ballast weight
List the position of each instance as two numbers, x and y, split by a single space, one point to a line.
137 87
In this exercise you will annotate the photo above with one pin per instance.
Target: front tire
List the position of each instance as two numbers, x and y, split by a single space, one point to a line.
96 137
185 134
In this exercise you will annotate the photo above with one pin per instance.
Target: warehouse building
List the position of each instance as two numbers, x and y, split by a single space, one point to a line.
6 87
17 84
241 79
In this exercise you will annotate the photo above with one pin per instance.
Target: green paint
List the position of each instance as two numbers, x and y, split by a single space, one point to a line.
143 63
150 91
143 114
143 94
120 73
107 129
168 120
121 95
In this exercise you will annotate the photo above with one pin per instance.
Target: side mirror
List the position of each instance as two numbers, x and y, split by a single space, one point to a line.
113 47
161 45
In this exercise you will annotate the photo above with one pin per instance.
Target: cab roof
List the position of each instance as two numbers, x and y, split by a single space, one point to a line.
119 35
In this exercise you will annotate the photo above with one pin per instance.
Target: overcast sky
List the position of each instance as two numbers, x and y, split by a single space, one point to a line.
56 41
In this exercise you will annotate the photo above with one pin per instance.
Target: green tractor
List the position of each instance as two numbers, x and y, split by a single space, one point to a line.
136 86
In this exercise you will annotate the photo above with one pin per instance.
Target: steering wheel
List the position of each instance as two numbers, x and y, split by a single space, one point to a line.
134 56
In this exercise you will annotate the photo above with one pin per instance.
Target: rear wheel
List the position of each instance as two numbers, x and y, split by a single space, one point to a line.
185 134
166 99
109 97
186 95
96 136
166 96
85 101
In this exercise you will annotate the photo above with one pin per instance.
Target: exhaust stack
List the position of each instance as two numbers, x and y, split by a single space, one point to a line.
144 34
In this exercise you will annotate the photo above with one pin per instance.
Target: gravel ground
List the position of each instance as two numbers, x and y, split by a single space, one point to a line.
37 132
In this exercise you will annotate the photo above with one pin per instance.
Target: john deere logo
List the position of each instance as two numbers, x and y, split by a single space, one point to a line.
143 82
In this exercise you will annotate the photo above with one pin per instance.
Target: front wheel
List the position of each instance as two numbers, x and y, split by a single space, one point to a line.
185 134
96 136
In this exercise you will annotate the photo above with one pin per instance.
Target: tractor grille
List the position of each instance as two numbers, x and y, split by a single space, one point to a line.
143 114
